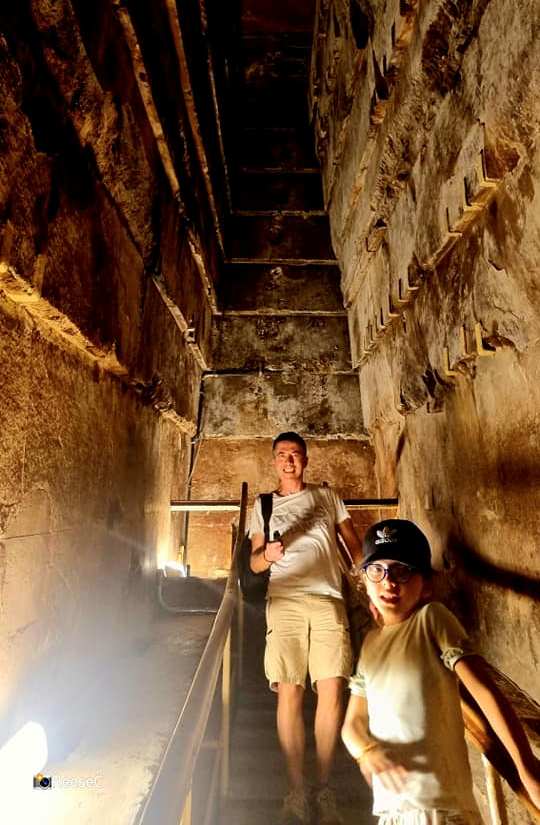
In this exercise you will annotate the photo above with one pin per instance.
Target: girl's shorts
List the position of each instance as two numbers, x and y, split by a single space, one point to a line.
430 817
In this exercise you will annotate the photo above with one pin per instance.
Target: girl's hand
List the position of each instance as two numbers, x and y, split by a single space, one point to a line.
391 773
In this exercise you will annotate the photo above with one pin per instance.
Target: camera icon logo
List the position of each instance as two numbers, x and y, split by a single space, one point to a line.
42 782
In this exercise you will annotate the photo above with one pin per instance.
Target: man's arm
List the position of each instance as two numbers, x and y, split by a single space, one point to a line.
264 554
472 672
348 534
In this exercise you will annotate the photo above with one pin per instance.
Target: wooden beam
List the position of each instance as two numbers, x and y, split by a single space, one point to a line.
201 505
181 323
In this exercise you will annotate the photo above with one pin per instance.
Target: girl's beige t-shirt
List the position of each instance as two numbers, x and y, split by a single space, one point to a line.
406 673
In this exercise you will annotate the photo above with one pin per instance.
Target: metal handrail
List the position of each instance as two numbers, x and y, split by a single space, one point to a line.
171 789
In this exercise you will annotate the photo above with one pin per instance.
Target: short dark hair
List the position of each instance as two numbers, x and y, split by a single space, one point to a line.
290 437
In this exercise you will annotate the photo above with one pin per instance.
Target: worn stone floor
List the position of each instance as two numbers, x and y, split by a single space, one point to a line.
119 742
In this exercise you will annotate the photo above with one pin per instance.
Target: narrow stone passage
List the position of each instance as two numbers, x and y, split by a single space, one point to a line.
258 781
221 221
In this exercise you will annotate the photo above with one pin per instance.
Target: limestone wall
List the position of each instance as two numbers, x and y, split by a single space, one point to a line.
426 116
105 315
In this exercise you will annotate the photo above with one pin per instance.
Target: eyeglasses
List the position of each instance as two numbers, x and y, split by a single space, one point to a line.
396 572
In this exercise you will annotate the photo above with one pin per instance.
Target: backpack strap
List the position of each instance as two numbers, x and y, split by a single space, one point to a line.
266 509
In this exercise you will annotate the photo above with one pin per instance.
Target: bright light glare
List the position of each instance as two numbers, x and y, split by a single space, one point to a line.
25 754
21 758
176 566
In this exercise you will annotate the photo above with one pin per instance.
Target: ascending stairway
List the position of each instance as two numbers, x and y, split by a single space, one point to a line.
258 781
284 338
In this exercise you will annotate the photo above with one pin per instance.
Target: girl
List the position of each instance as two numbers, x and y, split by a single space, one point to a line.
403 724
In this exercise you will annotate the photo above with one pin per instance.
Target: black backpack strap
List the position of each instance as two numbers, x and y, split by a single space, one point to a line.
266 509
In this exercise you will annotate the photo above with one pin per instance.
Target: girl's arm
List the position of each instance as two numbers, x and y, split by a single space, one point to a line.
471 671
370 755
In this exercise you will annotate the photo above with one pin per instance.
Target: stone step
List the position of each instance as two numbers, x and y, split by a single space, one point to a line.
285 148
279 17
315 344
263 787
249 811
256 757
265 110
267 191
281 238
272 401
267 59
266 812
274 72
257 286
280 103
191 593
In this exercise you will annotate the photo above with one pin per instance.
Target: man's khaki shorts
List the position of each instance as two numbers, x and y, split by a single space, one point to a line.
304 634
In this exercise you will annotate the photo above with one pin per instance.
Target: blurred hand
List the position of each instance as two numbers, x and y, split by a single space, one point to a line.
390 772
274 551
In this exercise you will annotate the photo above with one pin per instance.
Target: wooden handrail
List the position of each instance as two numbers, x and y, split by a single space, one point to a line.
483 738
171 788
207 505
370 503
191 505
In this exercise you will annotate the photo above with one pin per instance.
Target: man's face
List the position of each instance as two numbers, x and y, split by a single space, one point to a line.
289 460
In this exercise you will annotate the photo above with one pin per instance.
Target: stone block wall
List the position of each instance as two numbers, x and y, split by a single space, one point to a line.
425 116
221 464
106 292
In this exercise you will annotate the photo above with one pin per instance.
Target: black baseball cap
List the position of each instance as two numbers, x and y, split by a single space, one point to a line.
399 540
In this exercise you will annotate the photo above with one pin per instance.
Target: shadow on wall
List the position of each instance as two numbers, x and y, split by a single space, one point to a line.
471 566
479 568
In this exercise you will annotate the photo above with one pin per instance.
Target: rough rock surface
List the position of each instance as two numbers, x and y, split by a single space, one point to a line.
104 329
427 123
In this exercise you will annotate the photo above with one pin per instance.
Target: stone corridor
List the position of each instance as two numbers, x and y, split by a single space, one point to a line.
219 221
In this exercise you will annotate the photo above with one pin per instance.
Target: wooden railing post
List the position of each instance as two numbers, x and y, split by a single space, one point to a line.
240 641
496 761
226 718
240 601
497 809
186 815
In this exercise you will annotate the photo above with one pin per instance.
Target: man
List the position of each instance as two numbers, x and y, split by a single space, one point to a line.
307 623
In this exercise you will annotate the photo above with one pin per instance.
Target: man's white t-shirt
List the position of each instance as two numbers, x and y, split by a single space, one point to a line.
306 522
405 673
